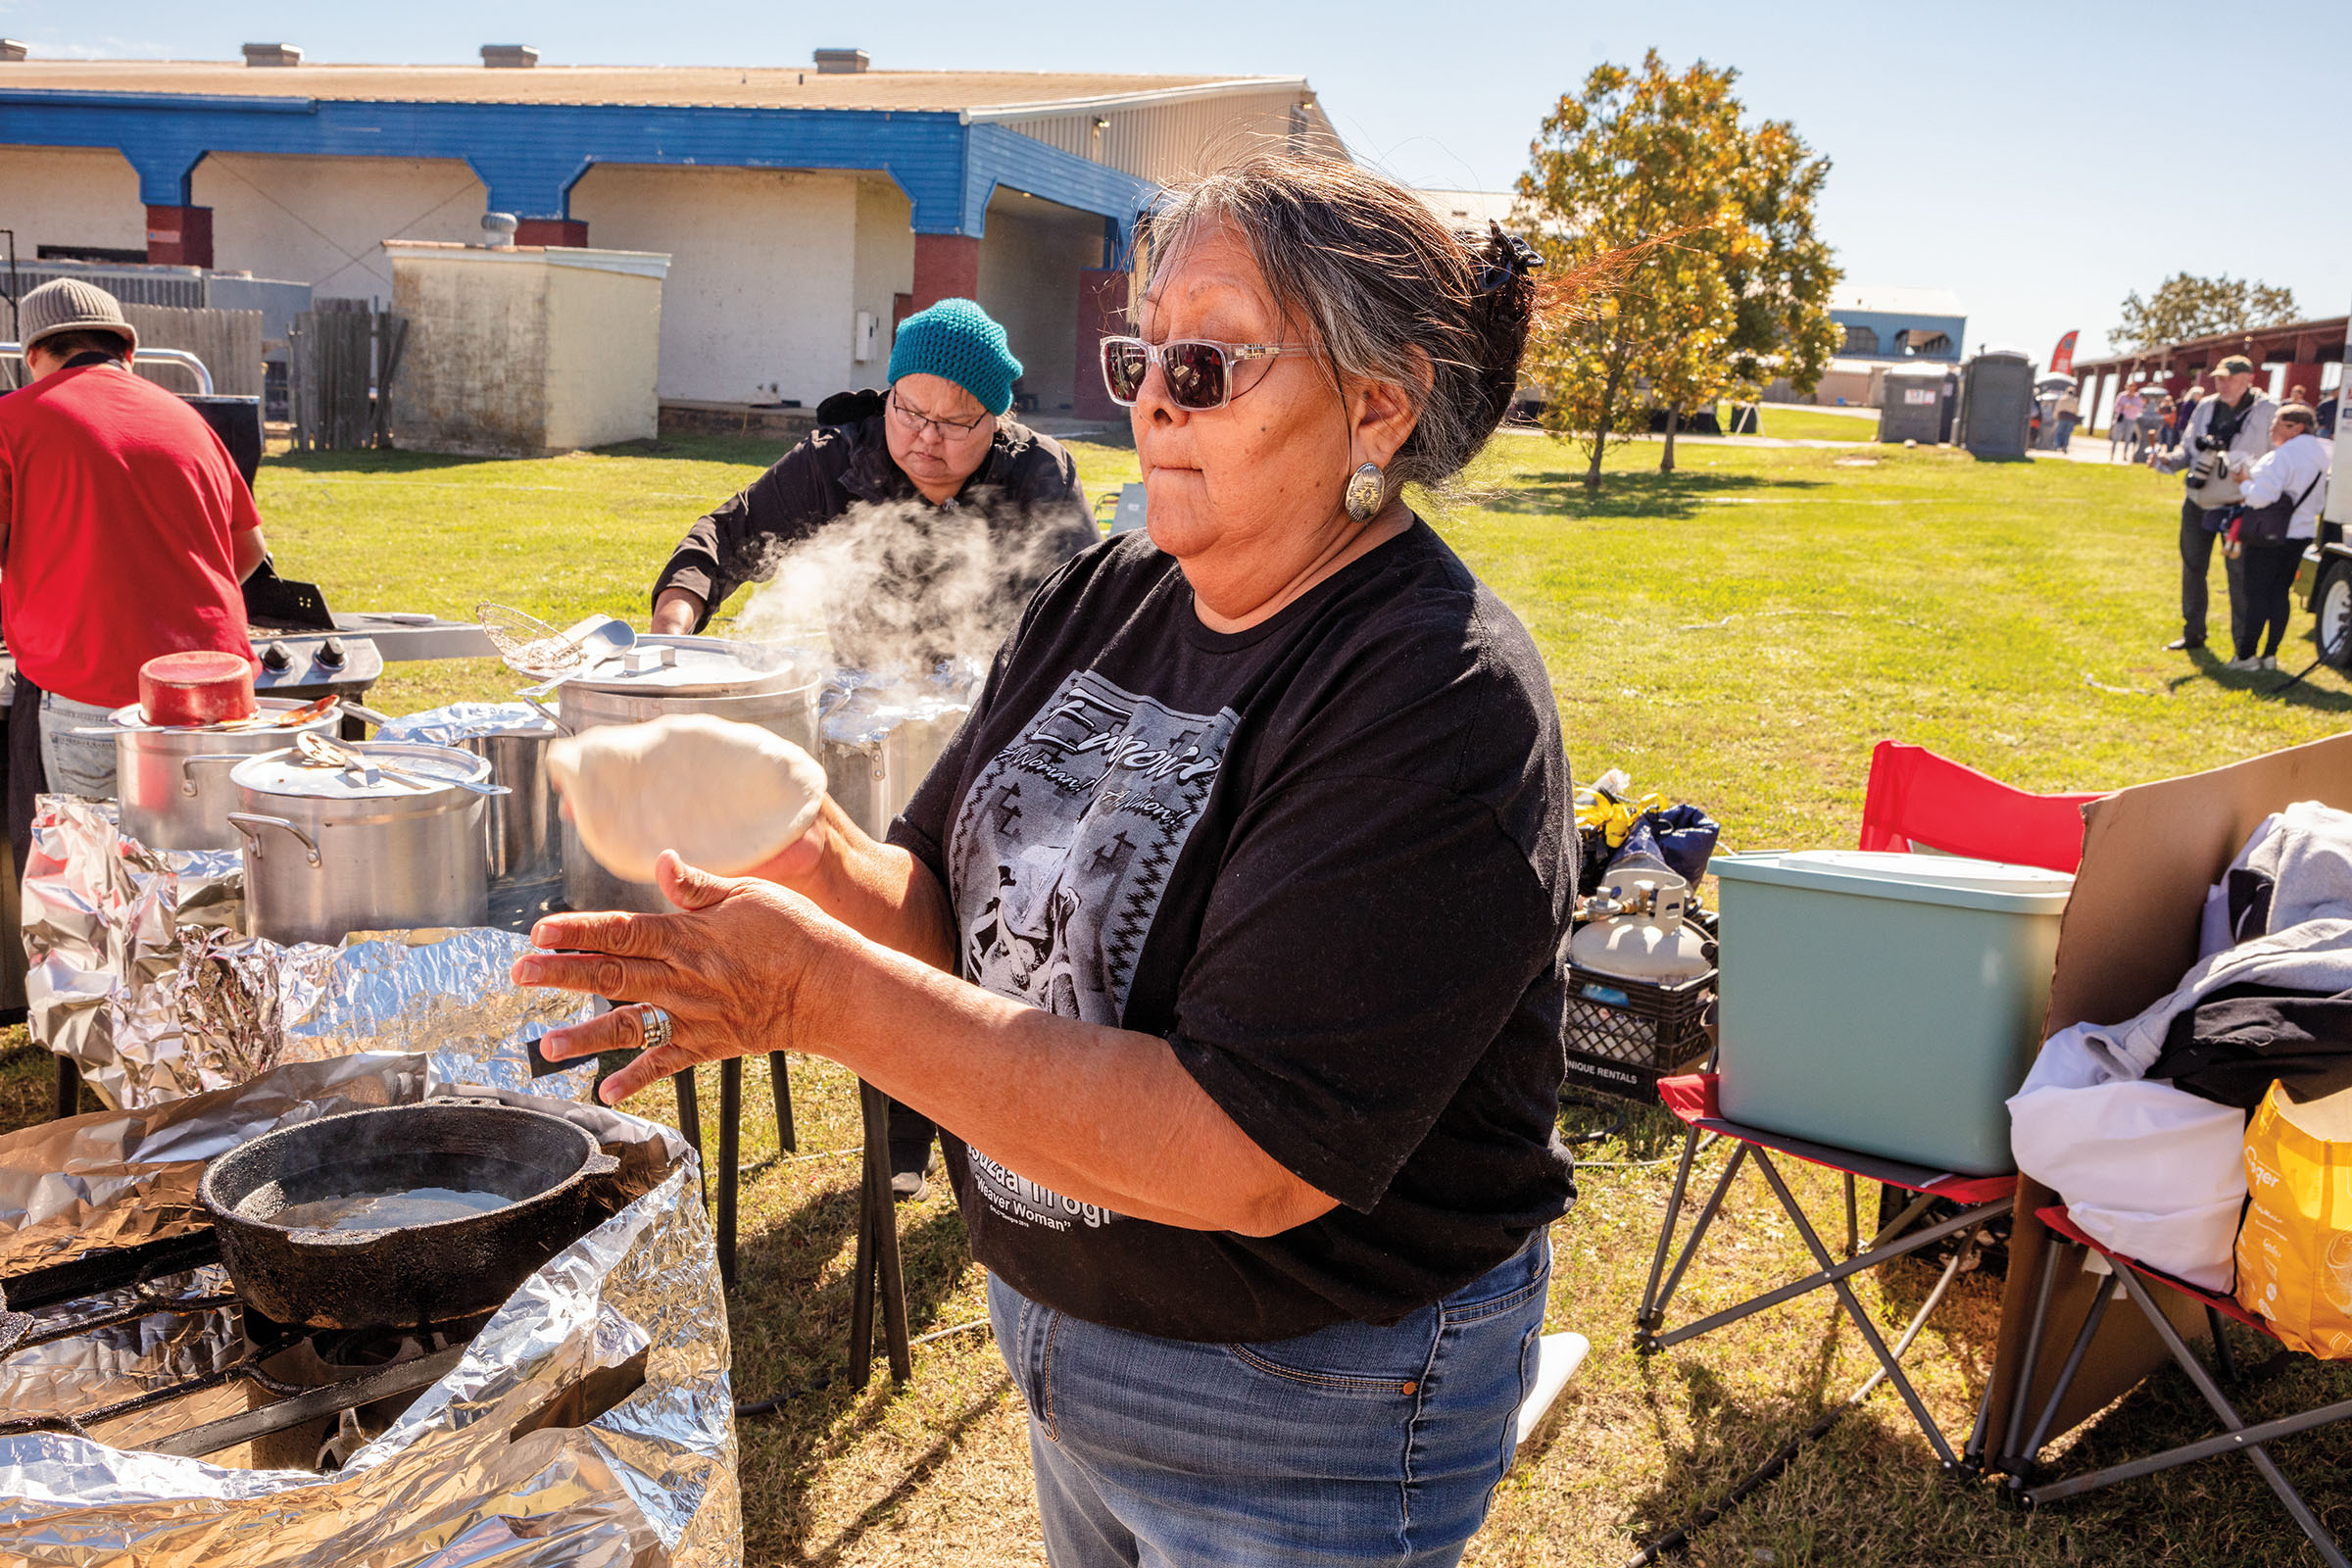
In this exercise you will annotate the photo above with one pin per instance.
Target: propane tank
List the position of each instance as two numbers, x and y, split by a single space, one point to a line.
1634 928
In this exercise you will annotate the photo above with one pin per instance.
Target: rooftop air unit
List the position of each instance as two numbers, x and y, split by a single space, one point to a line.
509 56
273 54
842 62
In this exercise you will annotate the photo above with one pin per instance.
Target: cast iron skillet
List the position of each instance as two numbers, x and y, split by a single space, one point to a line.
407 1275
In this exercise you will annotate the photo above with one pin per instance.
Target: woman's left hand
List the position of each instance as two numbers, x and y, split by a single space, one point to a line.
731 969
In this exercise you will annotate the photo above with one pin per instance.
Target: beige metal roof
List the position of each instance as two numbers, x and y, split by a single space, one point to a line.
758 87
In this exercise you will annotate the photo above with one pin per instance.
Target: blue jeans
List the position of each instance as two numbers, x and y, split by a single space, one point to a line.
77 764
1356 1443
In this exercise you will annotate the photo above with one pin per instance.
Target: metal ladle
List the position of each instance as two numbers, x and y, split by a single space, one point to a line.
326 752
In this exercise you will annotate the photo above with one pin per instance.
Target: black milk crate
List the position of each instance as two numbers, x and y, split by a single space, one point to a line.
1625 1035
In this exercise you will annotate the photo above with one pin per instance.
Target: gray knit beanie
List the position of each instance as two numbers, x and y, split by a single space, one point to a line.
69 305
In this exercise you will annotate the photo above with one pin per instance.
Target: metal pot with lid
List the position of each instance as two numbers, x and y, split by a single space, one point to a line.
396 843
771 687
173 779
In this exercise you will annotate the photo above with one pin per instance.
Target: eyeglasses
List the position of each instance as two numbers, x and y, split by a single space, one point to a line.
949 429
1200 371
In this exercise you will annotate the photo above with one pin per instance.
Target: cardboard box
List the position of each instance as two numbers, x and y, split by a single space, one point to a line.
2149 854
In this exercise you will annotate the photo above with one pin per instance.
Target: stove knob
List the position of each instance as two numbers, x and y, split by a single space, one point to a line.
330 652
277 658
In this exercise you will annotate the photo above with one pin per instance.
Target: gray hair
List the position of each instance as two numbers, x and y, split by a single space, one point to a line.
1387 291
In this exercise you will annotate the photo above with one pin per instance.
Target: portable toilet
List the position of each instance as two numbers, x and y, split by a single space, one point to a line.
1997 404
1915 406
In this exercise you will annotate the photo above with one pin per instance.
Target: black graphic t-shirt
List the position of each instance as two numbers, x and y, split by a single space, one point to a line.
1328 859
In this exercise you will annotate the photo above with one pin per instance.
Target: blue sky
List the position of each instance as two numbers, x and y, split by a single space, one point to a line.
2037 160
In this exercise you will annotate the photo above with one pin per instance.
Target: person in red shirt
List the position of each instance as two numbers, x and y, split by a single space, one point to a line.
125 527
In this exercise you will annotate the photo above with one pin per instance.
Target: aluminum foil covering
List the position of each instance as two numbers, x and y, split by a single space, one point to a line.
139 974
860 708
458 722
240 1006
103 919
449 1485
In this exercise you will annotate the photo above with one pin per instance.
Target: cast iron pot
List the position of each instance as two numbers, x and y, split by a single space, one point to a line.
411 1274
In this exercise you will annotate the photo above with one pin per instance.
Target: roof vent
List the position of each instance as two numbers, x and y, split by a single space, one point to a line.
10 49
273 54
498 229
842 62
509 56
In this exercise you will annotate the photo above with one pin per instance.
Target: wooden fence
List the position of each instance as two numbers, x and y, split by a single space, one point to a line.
340 362
228 342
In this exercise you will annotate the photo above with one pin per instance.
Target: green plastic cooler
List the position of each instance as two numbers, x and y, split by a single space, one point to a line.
1887 1004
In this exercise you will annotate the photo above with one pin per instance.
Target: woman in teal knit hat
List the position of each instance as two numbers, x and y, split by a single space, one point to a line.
938 434
936 437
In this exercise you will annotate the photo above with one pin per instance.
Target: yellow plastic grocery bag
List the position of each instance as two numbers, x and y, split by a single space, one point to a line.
2294 1250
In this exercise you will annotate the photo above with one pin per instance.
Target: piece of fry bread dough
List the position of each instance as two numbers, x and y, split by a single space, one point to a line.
727 797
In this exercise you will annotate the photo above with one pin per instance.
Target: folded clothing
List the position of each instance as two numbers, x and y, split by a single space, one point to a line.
2311 959
2231 1047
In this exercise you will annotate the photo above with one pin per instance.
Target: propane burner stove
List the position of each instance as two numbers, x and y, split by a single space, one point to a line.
303 1399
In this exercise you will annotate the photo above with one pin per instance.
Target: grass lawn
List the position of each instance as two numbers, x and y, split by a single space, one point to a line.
1738 633
1796 422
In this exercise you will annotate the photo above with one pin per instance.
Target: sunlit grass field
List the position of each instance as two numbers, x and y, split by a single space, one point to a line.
1739 634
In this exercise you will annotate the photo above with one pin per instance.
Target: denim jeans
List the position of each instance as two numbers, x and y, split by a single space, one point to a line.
77 764
1357 1444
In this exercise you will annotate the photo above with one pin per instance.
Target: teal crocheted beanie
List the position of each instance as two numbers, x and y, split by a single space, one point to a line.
959 340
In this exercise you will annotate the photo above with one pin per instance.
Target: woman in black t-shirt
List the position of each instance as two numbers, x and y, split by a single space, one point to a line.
1225 938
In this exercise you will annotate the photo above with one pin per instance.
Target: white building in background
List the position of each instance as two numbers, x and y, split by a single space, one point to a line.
805 212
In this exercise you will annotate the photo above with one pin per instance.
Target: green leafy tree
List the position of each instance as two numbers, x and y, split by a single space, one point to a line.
2185 306
1725 285
1779 271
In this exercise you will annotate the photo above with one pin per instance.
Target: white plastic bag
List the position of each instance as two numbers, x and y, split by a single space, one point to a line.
2152 1171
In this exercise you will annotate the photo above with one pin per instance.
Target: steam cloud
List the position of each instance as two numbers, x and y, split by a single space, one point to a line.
897 588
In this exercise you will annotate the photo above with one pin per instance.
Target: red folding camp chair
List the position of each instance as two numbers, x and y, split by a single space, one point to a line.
1693 1100
2131 1277
1915 797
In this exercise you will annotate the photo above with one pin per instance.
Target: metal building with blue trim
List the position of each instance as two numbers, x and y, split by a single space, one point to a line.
803 211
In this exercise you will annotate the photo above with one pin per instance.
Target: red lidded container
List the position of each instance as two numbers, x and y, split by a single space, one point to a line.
197 687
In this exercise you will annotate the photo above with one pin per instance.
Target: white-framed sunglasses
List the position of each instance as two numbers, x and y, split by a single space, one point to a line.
1199 370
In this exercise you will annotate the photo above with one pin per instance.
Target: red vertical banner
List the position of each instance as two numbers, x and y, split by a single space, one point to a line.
2062 357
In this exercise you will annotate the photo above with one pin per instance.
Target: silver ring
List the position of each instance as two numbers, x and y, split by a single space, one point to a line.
654 1024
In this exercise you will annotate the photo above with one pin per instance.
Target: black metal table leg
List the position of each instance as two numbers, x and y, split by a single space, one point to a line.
879 1273
861 1279
690 1122
779 1082
730 1177
886 1236
69 1085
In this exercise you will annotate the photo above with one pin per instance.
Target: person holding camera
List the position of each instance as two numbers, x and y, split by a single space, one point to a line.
2232 424
2277 515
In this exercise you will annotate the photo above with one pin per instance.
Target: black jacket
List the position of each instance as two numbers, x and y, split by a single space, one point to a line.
1027 485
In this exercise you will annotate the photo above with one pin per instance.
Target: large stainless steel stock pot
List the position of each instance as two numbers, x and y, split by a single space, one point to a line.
396 844
173 780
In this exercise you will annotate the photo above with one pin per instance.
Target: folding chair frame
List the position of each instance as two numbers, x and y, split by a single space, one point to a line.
2236 1437
1986 1198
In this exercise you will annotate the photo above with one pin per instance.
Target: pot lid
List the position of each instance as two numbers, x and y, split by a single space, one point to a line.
131 717
695 667
1915 877
403 770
